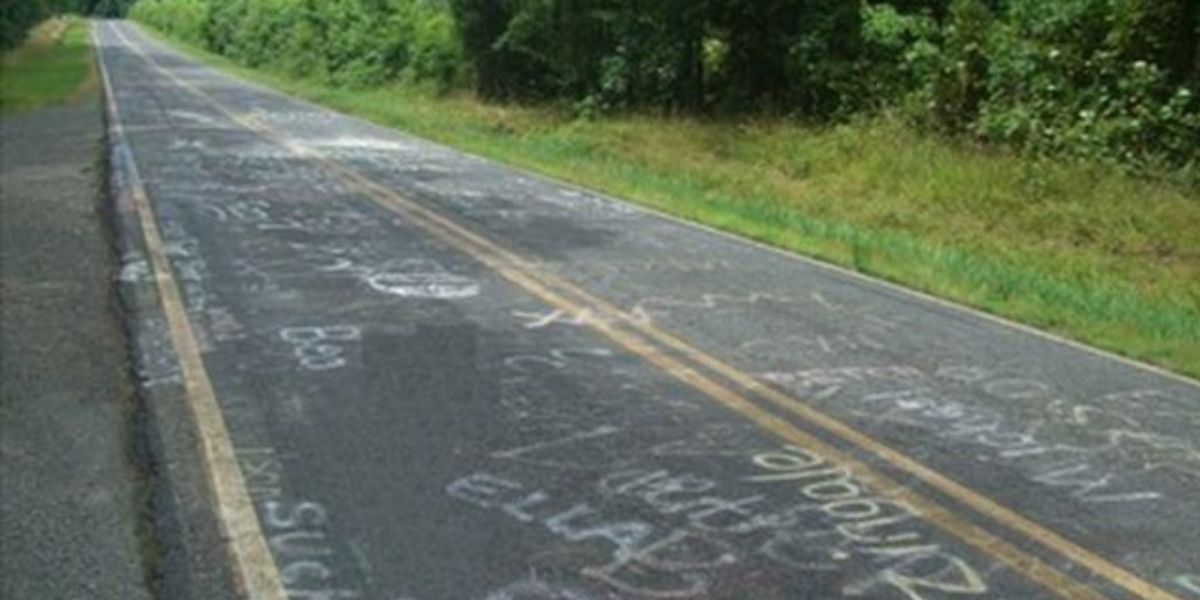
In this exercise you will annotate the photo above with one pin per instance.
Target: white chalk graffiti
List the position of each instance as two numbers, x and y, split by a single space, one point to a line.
825 344
135 270
575 200
556 358
532 453
644 563
191 270
870 526
296 531
1050 463
541 320
1092 452
689 495
416 278
296 535
222 325
1190 582
710 441
320 348
262 471
267 217
819 384
708 302
659 264
361 143
710 532
537 320
663 306
522 369
435 285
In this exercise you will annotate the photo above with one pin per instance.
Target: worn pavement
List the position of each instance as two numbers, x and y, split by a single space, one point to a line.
426 376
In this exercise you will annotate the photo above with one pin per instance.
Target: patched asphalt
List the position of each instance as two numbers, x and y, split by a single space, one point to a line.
449 379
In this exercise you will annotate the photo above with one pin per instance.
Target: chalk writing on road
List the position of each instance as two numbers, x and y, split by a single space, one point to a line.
795 512
872 526
819 384
664 306
413 278
423 284
320 348
831 344
1190 583
1093 452
540 320
297 531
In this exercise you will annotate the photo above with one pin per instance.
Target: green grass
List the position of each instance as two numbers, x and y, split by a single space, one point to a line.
1072 248
53 66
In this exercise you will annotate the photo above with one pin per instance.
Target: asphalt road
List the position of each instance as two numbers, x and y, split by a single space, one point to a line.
443 379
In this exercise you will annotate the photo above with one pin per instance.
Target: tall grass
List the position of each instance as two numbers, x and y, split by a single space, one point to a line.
1070 247
52 66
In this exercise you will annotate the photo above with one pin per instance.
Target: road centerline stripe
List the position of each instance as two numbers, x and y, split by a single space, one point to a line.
527 275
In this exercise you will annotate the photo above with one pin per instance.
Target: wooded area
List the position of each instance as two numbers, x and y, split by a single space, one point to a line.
18 16
1115 80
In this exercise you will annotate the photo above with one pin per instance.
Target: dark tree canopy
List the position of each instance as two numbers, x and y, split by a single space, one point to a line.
17 16
1112 79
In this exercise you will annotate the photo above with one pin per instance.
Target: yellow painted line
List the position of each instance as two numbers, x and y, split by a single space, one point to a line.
509 261
255 569
526 275
518 271
979 502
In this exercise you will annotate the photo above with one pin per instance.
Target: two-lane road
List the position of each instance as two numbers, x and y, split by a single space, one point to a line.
419 375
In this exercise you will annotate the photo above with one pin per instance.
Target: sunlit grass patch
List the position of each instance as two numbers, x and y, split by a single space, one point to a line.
53 66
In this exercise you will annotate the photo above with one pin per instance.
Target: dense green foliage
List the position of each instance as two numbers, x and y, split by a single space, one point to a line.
1070 246
17 16
347 42
1117 80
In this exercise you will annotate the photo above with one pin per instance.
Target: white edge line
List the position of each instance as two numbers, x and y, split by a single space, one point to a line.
828 266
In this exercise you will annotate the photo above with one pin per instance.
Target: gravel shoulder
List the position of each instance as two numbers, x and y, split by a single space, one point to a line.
72 516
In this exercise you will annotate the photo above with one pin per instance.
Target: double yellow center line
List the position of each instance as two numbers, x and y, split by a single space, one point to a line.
685 362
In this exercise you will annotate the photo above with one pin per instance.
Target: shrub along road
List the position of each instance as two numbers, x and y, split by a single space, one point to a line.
421 375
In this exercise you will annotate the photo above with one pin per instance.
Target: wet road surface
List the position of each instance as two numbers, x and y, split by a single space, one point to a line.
420 375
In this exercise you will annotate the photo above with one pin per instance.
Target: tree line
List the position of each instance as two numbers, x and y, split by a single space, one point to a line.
18 16
1117 80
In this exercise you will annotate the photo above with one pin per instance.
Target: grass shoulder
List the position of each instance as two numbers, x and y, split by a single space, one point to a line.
1072 248
53 66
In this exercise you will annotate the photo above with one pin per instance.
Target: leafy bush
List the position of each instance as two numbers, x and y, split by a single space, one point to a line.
18 16
347 42
1081 78
1109 80
15 20
1070 78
